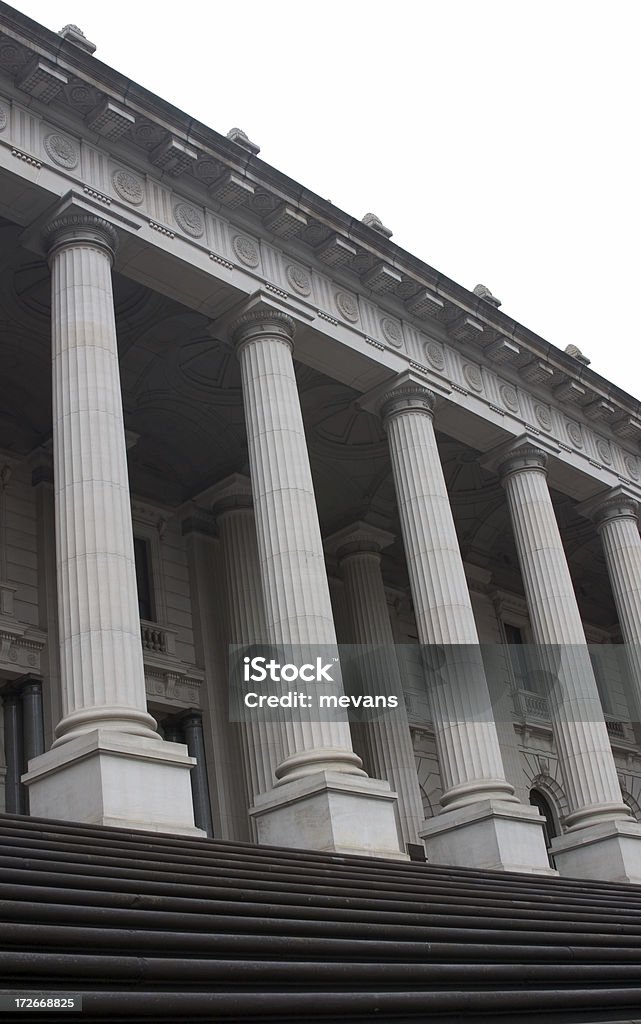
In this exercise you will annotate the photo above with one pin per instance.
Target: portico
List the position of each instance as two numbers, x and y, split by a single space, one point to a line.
270 398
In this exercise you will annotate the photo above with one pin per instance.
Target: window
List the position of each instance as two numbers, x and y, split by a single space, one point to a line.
517 656
143 579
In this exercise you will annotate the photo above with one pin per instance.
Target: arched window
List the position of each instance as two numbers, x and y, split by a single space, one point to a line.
544 808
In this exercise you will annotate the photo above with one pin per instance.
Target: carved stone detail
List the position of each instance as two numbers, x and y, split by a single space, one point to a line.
604 451
509 397
246 250
575 433
298 279
406 396
61 150
543 415
263 321
632 466
434 354
347 306
189 219
472 374
72 227
4 118
392 332
128 186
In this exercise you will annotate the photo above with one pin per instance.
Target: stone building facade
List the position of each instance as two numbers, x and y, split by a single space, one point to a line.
231 413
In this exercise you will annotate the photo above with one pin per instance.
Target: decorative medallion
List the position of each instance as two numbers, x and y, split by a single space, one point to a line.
129 187
434 354
509 397
605 452
347 306
246 250
4 118
543 415
632 466
392 332
472 374
82 95
190 219
574 433
298 279
61 150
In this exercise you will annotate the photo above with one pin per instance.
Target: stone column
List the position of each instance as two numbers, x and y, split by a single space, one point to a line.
482 824
15 802
388 738
232 504
325 800
602 841
616 517
107 764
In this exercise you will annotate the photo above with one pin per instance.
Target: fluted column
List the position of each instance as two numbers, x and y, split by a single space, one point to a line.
585 755
232 504
581 737
297 604
616 518
472 774
324 799
468 745
388 739
102 673
100 649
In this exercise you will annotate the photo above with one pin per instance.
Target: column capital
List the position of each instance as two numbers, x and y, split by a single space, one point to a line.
519 454
263 323
358 538
617 503
407 396
232 493
80 228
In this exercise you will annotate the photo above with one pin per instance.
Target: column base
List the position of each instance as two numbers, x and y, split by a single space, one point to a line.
492 834
331 812
610 852
111 778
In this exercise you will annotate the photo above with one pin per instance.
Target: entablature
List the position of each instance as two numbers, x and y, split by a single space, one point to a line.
195 196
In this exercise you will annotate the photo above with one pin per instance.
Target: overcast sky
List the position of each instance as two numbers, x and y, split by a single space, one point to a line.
498 139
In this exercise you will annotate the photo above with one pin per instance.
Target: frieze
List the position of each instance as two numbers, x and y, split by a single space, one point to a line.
367 313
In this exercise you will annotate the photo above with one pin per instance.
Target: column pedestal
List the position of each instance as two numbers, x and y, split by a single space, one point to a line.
104 777
330 812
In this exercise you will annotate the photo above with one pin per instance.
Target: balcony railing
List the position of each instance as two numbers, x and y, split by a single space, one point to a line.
157 639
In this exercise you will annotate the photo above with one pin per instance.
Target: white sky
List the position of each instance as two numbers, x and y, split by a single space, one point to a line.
498 139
